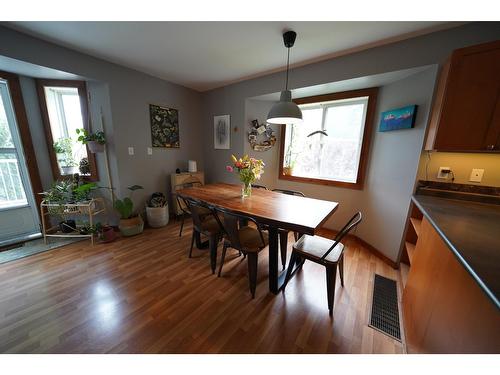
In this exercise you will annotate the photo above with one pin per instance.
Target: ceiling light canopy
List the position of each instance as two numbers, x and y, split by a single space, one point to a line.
286 111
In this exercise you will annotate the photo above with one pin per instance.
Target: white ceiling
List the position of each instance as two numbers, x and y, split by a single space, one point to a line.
206 55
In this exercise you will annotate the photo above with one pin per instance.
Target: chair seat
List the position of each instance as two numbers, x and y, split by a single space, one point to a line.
313 248
210 225
250 239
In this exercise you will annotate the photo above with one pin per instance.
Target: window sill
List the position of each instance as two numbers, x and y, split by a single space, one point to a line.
349 185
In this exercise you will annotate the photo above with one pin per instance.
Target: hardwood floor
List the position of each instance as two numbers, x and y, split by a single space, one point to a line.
144 295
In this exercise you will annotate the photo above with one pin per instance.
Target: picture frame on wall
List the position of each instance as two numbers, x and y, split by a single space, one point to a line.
399 118
164 126
222 132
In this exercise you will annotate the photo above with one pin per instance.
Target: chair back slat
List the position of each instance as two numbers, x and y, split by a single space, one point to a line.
197 209
290 192
351 224
232 224
188 182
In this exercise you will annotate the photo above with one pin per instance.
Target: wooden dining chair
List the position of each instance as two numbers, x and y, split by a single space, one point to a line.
326 252
181 203
205 222
244 238
283 234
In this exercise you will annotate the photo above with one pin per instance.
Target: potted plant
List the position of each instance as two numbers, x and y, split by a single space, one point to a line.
157 210
130 223
95 141
64 151
84 167
105 232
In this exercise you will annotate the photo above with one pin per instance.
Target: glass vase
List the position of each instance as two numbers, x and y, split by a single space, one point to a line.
246 190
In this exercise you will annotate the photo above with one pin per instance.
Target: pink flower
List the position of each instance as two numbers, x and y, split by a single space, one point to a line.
229 168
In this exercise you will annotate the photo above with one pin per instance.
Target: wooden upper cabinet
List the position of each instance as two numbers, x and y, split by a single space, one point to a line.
466 110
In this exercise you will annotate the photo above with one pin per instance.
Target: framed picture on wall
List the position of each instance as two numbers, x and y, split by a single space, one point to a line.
164 126
400 118
222 132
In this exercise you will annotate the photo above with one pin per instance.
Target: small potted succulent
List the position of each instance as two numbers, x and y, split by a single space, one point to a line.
95 141
157 210
64 151
131 223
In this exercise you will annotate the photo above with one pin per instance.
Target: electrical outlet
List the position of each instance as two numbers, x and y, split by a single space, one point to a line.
443 172
150 151
476 175
131 151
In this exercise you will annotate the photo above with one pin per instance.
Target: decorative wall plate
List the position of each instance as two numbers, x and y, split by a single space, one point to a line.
265 133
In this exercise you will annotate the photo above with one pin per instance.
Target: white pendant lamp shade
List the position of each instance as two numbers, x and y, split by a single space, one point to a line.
285 111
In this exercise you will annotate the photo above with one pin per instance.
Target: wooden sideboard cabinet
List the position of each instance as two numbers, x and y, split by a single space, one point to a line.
466 112
178 179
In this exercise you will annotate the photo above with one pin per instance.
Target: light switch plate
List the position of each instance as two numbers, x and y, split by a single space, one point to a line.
131 151
150 151
476 175
442 174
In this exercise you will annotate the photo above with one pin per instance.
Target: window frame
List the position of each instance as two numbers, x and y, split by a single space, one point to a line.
371 93
16 97
82 93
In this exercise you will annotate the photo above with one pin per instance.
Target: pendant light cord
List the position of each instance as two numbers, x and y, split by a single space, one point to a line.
287 66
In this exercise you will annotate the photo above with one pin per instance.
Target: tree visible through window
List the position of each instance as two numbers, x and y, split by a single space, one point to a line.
328 146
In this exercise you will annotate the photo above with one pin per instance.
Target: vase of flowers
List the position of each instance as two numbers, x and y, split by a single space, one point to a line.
249 169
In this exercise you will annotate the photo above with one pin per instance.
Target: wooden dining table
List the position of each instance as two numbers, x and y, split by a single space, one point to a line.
273 209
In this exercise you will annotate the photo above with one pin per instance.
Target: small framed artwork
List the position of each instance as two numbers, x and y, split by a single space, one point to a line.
222 132
400 118
164 126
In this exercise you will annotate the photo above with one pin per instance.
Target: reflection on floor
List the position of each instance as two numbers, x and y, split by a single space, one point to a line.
144 295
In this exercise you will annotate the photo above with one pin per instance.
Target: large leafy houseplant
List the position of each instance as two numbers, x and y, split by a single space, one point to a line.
130 222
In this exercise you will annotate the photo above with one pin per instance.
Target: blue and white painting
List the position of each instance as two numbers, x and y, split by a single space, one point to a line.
401 118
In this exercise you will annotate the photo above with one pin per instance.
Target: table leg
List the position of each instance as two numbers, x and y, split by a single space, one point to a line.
273 260
277 278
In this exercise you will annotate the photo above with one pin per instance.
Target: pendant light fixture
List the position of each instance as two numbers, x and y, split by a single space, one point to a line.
286 111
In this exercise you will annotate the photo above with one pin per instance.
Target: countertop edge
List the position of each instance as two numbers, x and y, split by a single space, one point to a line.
457 254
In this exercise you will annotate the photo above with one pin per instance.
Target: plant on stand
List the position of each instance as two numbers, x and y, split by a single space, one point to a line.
131 223
249 169
64 151
95 141
157 210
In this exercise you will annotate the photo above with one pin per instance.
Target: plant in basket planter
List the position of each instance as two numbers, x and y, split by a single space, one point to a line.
130 223
95 141
157 210
249 169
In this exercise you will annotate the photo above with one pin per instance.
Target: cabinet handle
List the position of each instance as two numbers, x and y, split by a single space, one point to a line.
490 147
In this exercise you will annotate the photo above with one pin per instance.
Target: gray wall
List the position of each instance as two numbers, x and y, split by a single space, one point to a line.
390 180
391 170
123 95
424 50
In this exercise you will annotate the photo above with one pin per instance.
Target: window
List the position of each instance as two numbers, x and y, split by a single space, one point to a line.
64 110
19 178
331 145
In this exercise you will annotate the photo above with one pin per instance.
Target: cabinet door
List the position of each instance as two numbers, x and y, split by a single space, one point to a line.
470 99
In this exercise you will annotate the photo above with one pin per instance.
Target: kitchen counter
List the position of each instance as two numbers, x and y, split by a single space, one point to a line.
472 232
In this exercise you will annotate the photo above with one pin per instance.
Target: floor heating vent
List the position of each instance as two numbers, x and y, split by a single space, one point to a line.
385 313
